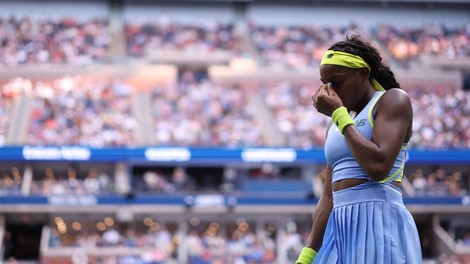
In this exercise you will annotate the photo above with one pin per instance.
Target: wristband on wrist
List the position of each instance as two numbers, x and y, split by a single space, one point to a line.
341 118
307 256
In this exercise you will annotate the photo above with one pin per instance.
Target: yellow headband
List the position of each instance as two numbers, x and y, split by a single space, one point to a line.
350 61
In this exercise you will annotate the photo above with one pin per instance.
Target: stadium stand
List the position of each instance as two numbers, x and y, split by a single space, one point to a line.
156 132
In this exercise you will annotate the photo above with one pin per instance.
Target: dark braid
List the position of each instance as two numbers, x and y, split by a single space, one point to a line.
380 72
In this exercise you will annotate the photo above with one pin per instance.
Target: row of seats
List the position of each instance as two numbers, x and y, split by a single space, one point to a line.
27 40
181 180
191 112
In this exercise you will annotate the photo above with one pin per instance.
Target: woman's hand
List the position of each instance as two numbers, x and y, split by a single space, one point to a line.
326 100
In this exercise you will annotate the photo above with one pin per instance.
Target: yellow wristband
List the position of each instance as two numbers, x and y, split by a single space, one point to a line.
341 118
307 256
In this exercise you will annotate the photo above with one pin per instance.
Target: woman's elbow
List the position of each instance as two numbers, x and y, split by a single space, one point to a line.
378 172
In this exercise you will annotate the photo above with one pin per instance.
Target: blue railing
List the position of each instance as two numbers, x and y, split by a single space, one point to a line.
214 156
201 200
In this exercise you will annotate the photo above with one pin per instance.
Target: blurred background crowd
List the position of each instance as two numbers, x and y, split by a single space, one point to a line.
212 75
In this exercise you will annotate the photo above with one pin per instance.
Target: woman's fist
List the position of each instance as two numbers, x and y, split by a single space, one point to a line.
326 100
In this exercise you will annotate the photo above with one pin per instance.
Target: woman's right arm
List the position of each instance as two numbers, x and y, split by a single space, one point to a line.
321 214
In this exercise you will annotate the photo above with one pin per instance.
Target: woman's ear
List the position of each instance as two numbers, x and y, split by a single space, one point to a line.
364 72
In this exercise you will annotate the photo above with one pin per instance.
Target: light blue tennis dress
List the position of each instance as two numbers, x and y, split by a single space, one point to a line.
368 223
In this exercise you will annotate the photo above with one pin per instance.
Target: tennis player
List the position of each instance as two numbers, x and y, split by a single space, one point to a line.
360 217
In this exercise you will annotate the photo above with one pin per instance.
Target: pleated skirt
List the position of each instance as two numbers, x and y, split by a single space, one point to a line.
370 224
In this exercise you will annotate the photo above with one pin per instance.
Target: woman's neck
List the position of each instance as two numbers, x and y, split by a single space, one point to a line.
364 100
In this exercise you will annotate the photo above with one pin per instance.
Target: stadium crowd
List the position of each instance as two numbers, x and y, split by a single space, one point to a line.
452 130
72 182
439 183
296 47
78 111
291 106
10 90
302 47
11 183
171 181
194 112
28 40
163 34
161 245
408 44
226 118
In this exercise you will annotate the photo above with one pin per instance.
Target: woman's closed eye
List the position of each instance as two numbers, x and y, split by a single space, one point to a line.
333 84
336 83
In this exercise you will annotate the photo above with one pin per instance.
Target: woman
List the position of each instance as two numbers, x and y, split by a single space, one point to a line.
360 217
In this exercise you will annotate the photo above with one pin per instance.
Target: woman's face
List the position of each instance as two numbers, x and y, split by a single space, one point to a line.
346 82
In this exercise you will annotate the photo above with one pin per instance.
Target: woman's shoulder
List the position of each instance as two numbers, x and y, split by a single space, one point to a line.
394 100
396 91
395 96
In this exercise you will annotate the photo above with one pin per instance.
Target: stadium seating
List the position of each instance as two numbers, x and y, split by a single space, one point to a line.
128 129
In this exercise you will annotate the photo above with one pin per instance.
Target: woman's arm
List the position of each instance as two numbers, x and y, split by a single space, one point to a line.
321 214
320 220
393 119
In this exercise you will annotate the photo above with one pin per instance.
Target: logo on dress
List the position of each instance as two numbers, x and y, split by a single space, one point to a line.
360 122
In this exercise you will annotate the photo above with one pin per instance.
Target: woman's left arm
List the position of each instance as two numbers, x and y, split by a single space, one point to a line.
394 115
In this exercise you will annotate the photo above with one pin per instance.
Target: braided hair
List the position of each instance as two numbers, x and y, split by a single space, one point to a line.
380 72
